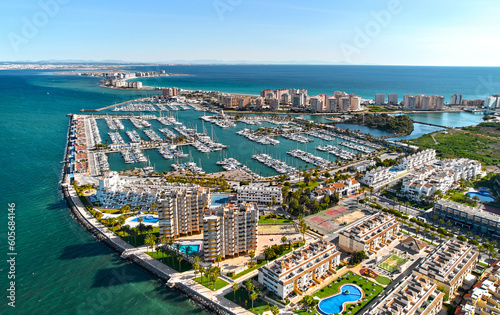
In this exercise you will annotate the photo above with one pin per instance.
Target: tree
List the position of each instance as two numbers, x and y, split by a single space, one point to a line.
179 258
202 270
252 255
218 259
235 288
253 297
269 253
275 310
214 277
124 209
283 239
163 240
249 285
150 240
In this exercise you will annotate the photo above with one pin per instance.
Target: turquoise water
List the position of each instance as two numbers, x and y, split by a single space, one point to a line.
191 248
334 304
147 219
482 195
60 267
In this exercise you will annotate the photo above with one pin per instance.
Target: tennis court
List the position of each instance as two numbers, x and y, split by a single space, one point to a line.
392 263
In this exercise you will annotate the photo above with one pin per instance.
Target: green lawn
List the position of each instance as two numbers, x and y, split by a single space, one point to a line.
383 280
367 287
311 185
242 296
279 220
139 240
219 284
167 260
482 264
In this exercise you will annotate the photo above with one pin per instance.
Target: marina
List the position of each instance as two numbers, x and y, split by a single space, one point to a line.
310 158
343 154
230 164
250 135
279 166
297 137
189 167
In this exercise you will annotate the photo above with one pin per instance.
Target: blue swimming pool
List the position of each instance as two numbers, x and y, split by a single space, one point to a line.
218 200
482 195
190 248
334 304
147 219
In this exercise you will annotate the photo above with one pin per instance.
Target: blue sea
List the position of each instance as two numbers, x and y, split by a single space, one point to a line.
60 268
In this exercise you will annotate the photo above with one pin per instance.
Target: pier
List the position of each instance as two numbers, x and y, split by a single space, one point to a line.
107 107
429 124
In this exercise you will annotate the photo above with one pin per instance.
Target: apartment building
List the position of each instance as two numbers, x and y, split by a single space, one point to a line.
413 295
371 234
441 175
259 194
180 210
230 231
424 157
484 297
448 265
301 269
473 218
377 176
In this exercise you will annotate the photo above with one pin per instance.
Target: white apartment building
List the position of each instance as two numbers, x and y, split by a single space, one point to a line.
392 99
425 157
379 99
180 210
413 295
260 194
448 265
301 269
456 99
230 231
441 175
377 176
371 234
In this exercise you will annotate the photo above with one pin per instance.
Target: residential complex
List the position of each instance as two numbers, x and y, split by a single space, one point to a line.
471 217
260 194
424 157
440 176
423 102
301 269
413 295
448 265
484 297
377 177
230 231
371 234
342 188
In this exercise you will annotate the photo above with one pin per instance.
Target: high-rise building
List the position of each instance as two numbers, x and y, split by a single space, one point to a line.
492 101
437 102
230 231
180 210
456 99
393 99
285 98
274 104
265 92
298 100
331 104
355 102
345 104
379 99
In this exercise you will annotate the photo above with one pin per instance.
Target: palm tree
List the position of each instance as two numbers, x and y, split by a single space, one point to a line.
252 255
163 240
179 258
150 240
202 270
235 288
283 239
249 285
218 259
214 277
153 206
275 310
253 297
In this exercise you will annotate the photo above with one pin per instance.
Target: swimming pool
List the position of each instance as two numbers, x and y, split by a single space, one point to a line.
218 200
335 303
147 219
190 248
483 195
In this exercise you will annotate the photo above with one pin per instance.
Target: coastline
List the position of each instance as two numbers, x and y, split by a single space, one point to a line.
133 254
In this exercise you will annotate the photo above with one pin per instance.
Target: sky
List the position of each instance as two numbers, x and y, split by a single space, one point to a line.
386 32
